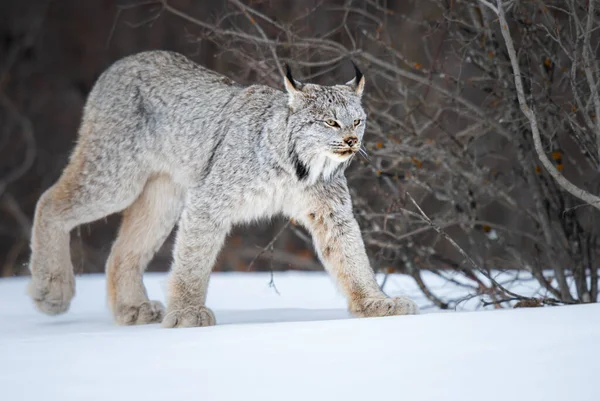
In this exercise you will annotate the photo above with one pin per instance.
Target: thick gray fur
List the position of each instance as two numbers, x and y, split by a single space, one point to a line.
167 141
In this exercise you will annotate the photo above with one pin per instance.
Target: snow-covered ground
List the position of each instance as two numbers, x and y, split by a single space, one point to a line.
299 345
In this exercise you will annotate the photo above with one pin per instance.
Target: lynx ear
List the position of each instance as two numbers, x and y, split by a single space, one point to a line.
291 86
358 83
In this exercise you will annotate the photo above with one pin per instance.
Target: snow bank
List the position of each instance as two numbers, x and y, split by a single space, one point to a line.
300 345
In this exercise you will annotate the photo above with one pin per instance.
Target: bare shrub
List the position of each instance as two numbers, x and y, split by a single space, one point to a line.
498 149
446 125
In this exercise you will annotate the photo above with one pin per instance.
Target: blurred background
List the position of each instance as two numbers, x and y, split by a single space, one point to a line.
452 183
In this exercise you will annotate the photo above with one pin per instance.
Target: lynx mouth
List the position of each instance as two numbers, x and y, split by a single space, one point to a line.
341 155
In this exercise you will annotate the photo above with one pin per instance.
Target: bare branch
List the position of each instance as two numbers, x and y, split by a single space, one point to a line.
269 246
530 114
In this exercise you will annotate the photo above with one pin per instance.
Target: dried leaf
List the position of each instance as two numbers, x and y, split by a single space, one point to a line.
528 303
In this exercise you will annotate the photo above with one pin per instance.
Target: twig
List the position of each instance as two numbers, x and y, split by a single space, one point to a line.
439 230
113 27
541 301
416 275
588 60
462 252
529 113
11 206
269 246
272 276
27 130
272 48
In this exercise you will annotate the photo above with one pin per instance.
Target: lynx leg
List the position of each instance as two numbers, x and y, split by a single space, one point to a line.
52 284
81 195
340 247
197 246
145 226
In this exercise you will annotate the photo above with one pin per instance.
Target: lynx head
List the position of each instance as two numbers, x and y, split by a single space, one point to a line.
326 123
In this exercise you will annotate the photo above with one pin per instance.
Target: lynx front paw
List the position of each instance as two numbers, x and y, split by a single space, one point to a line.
376 307
192 316
52 294
144 313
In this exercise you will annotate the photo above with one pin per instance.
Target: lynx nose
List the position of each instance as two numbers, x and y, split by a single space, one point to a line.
351 141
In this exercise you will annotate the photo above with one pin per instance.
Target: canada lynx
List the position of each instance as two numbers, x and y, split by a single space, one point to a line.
169 142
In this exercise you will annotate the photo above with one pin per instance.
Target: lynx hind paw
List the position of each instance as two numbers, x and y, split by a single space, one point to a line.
198 316
377 307
52 295
145 313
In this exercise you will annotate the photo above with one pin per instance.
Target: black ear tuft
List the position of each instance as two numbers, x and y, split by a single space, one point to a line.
288 74
357 72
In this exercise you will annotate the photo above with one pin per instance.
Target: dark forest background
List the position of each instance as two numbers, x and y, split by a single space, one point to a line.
445 125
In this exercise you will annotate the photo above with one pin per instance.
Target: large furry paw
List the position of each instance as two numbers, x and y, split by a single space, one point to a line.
145 313
52 294
376 307
193 316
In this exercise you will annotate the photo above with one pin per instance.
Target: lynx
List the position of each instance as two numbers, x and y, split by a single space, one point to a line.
169 142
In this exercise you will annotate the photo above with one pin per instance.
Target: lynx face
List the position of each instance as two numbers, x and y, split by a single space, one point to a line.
338 123
326 120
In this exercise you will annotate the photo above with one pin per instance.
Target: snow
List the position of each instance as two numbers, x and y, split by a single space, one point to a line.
299 345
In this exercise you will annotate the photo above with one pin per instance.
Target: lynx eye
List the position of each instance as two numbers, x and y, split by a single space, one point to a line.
332 123
356 122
